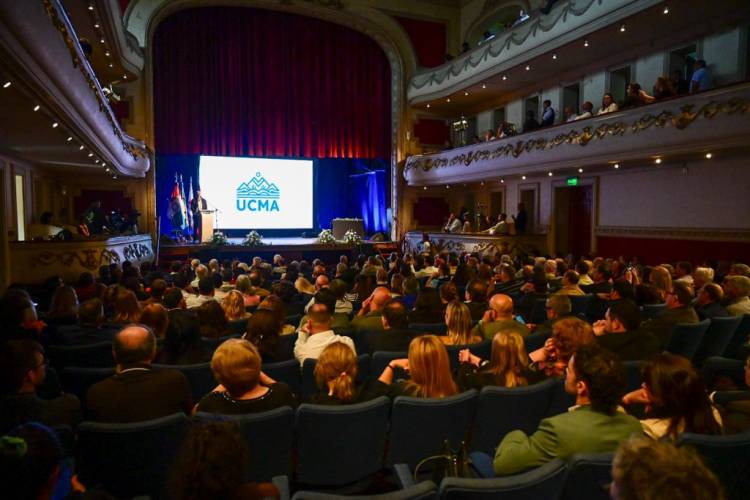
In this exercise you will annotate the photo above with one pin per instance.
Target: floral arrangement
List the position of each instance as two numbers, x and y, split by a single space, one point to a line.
326 237
218 238
352 237
253 239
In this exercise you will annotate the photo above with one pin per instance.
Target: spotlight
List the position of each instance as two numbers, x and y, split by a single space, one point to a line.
554 56
124 77
447 186
96 161
505 77
528 67
466 93
666 10
580 170
70 138
36 108
6 85
622 29
107 54
428 106
585 43
55 124
425 188
91 7
101 40
657 161
90 155
502 181
484 86
111 65
448 100
549 174
617 165
80 148
96 26
523 177
709 156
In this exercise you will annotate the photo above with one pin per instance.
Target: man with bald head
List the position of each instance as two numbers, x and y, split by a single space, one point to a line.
499 317
369 316
136 392
321 281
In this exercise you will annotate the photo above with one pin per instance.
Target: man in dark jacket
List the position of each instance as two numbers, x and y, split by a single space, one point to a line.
708 303
395 336
678 311
618 332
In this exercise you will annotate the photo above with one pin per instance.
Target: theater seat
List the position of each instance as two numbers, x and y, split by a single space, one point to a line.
589 475
333 450
501 410
381 359
269 438
717 338
91 355
650 311
735 349
77 380
727 456
420 427
199 375
633 374
431 328
285 371
420 491
129 459
310 387
213 343
686 338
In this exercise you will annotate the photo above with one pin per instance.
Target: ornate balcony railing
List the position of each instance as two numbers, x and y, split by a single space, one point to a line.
715 119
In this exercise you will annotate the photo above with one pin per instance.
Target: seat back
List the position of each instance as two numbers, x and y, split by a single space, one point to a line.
332 447
686 338
560 400
580 303
481 349
381 359
633 374
538 312
535 341
727 456
589 475
740 338
285 371
77 380
97 355
269 437
238 326
419 426
501 410
543 482
433 328
425 490
717 338
199 375
651 311
129 459
213 343
310 386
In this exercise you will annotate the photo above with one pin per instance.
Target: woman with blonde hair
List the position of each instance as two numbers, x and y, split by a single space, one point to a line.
63 309
336 375
429 368
127 308
244 286
303 286
243 387
234 307
507 366
156 317
660 280
458 321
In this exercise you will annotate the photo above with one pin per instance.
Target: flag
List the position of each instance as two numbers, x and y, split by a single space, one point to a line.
191 230
183 206
175 213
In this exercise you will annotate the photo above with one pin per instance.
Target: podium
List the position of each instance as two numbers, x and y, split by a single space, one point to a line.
207 225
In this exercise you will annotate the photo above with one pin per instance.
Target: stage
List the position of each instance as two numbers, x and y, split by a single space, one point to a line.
291 248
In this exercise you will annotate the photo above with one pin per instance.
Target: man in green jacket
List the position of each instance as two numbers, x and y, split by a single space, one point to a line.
594 425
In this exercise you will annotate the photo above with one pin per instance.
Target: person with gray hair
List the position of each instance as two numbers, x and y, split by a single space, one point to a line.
136 392
701 277
737 289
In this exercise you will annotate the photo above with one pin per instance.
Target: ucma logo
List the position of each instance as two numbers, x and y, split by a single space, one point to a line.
257 195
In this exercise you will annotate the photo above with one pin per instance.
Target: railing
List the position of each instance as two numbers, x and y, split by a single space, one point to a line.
717 118
569 19
45 47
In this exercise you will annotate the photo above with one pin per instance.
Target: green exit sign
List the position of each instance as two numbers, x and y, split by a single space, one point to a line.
572 181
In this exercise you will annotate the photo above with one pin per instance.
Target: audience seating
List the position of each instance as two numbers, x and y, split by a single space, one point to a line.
727 456
482 349
199 375
310 387
589 475
686 338
560 401
285 371
381 359
332 448
77 380
293 320
723 367
425 328
735 348
89 355
420 427
650 311
213 343
129 459
538 312
501 410
238 327
534 341
580 303
269 436
633 374
717 338
545 482
420 491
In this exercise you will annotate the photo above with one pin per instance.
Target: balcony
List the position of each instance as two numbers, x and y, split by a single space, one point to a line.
55 112
717 119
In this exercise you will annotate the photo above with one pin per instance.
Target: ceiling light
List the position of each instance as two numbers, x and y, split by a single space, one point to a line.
617 165
428 105
55 124
6 85
107 54
657 161
585 43
666 10
447 186
622 29
481 183
554 56
90 155
484 86
124 77
523 177
505 77
502 181
549 174
114 177
70 138
106 169
466 93
101 40
111 65
91 7
425 188
580 170
528 67
96 26
709 156
36 108
80 148
96 161
448 100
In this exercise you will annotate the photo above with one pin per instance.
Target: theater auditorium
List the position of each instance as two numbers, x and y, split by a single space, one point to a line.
388 249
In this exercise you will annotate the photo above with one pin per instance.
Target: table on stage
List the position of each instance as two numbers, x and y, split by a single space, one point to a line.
339 227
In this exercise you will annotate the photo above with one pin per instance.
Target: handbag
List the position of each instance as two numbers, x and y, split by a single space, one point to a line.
450 463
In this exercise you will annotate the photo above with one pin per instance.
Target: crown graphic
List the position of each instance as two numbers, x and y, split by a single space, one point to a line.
257 187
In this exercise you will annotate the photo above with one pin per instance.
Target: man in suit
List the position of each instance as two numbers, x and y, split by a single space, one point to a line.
395 336
476 298
618 332
594 425
136 392
196 205
708 303
520 219
678 311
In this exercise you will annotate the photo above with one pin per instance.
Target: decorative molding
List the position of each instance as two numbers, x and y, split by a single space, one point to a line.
90 258
680 121
674 233
481 244
62 24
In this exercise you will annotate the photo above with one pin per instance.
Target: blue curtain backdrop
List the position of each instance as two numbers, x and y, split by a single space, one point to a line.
342 187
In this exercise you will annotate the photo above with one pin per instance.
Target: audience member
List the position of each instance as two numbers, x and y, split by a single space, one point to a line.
90 328
675 398
158 288
596 378
274 304
608 105
619 333
396 335
234 307
263 333
136 392
530 123
243 388
249 297
736 290
679 83
212 320
569 114
701 79
663 88
127 308
678 311
735 406
206 293
182 342
336 375
30 462
63 309
505 368
429 368
556 307
548 114
499 317
317 334
570 284
368 318
636 96
458 321
708 303
587 109
568 335
453 225
155 316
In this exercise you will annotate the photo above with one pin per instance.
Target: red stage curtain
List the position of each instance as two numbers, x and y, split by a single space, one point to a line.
236 81
428 39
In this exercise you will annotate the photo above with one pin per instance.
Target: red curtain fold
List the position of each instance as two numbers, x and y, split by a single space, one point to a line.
236 81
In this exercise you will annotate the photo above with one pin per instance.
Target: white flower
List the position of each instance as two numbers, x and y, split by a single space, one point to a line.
326 236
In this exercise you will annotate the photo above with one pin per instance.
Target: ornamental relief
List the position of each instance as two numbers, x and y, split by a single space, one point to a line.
90 259
679 121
